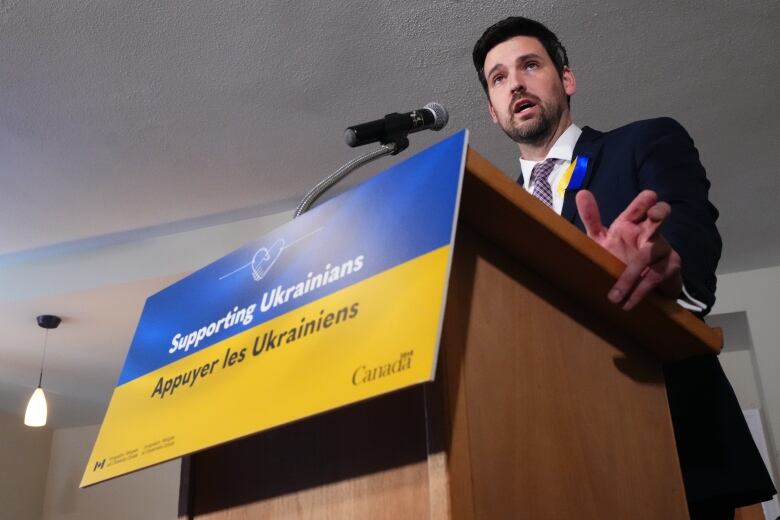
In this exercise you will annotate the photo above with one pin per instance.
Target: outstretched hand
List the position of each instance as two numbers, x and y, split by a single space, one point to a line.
635 239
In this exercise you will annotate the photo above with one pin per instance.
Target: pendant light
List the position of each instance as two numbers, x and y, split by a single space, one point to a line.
36 412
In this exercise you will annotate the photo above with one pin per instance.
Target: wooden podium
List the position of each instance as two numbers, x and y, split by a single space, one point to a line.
549 402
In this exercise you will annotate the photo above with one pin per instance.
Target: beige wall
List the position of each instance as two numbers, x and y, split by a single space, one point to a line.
24 457
150 494
757 293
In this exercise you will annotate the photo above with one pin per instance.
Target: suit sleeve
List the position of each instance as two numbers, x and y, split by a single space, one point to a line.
668 163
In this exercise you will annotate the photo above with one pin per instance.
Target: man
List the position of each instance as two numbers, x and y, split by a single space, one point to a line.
646 202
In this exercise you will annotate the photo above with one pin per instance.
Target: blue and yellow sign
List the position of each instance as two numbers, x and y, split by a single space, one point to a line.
339 305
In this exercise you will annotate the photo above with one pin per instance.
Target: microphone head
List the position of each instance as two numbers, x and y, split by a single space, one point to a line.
350 136
440 115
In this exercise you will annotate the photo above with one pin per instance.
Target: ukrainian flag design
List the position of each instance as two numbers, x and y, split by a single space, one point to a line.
339 305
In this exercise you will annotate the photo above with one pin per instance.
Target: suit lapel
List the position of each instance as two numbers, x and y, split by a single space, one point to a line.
589 146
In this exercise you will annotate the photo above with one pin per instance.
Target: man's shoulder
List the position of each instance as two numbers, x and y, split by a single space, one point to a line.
657 124
637 137
643 128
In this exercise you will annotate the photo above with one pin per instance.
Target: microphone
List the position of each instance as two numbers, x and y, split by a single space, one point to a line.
395 126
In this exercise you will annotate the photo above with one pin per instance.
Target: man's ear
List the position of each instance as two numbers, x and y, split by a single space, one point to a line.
492 111
569 81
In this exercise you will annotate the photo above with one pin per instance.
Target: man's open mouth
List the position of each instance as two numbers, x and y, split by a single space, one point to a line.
523 105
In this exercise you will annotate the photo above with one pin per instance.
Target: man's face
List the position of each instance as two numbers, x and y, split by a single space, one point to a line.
527 96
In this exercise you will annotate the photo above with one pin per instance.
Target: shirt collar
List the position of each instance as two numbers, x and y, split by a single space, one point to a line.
563 149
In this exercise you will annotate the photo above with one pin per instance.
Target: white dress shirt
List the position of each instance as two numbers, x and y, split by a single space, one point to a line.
563 152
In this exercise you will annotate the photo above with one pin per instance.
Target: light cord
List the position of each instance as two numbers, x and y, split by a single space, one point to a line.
43 356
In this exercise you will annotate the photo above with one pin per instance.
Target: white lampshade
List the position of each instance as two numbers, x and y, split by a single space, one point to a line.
36 409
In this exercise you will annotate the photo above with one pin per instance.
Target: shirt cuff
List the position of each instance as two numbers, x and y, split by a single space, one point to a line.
686 301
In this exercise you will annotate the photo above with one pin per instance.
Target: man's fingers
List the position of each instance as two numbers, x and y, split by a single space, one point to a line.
627 281
672 285
654 249
659 212
640 278
634 237
663 275
589 213
647 283
637 267
637 210
656 215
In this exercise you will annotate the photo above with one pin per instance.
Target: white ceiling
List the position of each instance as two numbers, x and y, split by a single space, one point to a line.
140 140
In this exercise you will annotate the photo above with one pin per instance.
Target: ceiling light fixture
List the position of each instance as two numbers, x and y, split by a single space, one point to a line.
36 412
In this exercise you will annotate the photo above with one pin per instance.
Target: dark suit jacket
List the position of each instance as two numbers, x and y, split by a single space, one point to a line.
718 458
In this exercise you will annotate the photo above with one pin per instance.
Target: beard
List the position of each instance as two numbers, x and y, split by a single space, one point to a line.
534 131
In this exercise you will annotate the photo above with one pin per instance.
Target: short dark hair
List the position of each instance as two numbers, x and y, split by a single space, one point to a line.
518 26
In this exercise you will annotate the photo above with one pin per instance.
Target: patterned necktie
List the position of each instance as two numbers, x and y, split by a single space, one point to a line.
542 188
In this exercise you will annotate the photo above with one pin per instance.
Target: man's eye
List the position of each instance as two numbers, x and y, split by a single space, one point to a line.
497 79
532 65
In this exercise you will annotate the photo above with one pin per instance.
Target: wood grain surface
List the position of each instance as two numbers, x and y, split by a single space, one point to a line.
553 414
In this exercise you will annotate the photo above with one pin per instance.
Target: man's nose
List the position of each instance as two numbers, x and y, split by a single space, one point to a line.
516 83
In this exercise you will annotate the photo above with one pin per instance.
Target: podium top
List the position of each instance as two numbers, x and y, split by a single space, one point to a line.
551 246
